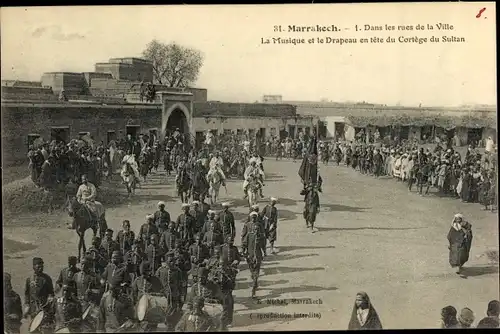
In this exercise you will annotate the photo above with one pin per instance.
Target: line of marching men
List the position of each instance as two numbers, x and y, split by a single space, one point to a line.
118 276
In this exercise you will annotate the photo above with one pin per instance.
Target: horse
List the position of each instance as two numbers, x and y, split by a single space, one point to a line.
311 207
129 179
253 192
83 219
200 185
215 180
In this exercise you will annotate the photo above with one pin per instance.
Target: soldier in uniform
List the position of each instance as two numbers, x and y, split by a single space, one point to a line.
230 253
212 237
182 261
39 294
170 277
146 284
147 229
98 256
114 269
210 291
213 261
116 308
88 287
68 311
134 258
161 217
185 225
204 207
225 276
227 221
196 320
247 226
167 239
67 273
154 253
199 254
252 244
270 214
109 245
198 216
125 238
12 307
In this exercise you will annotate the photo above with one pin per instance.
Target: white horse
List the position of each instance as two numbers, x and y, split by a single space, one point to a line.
215 180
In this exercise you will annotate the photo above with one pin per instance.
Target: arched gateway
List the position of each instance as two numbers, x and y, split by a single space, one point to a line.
177 112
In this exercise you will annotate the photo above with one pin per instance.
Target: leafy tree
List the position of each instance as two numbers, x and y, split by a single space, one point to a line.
173 65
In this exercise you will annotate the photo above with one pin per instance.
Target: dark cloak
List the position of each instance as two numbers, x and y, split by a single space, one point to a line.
460 244
372 321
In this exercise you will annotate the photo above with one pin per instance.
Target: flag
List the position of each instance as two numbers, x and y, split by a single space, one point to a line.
308 170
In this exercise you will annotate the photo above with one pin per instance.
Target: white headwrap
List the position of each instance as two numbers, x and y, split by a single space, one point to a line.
226 204
253 213
160 203
274 199
456 225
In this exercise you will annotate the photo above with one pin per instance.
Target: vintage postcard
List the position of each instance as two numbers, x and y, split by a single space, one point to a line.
249 167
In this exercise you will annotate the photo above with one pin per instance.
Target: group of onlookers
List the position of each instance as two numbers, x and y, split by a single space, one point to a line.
450 318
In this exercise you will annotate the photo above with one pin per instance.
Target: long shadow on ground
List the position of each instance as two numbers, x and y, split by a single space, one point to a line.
479 271
283 249
339 207
328 229
286 270
241 202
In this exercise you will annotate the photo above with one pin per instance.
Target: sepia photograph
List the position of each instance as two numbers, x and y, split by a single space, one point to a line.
197 168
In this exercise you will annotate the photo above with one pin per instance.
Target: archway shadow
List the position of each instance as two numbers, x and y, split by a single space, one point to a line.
328 229
340 207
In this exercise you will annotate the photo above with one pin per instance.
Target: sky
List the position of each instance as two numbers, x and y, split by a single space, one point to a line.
239 68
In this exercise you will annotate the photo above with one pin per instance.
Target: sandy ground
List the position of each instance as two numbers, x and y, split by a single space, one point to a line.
373 235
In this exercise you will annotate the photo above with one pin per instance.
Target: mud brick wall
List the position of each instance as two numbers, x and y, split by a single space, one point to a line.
19 121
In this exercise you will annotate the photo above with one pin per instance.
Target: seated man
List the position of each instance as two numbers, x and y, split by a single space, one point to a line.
216 164
86 195
253 173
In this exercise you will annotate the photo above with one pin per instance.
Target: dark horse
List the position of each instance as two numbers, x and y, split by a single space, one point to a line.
183 184
83 219
311 206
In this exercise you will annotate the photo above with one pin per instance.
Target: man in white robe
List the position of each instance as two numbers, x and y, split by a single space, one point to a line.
215 165
253 171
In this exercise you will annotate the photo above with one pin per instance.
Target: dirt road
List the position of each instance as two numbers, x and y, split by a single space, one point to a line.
372 236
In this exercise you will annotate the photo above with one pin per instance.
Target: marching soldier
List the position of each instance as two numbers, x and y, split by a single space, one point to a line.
270 214
196 320
116 309
162 216
170 277
154 253
98 256
225 276
230 253
204 207
213 261
12 307
147 229
67 273
252 244
125 238
115 269
182 261
146 284
88 288
134 258
167 240
212 237
39 294
109 245
247 226
185 225
209 222
68 311
198 217
227 221
204 288
199 254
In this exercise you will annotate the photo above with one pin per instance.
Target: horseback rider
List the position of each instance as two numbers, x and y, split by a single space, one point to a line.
216 164
255 173
86 195
130 168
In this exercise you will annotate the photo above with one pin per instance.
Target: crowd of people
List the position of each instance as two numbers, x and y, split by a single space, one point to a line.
104 291
471 178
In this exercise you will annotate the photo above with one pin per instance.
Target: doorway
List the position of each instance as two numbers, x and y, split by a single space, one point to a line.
474 136
262 133
60 134
133 131
111 136
31 139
